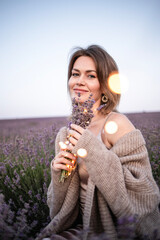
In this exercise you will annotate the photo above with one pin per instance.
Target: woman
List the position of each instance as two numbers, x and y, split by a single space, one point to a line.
114 180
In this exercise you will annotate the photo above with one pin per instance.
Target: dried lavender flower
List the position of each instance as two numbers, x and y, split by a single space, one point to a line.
82 113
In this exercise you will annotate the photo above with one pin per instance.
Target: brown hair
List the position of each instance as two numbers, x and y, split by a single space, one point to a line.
105 66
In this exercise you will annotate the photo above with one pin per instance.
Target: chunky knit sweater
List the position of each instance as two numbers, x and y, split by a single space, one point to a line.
120 185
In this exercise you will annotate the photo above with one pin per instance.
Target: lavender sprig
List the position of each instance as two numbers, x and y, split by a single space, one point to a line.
82 115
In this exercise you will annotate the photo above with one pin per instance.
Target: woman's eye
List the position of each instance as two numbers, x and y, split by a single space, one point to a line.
75 74
91 76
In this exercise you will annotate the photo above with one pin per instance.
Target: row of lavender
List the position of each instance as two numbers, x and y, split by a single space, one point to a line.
26 149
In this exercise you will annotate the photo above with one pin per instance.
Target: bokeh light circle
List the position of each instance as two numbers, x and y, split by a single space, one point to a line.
62 145
111 127
118 83
82 152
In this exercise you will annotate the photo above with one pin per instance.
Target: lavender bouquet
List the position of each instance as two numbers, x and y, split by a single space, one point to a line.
82 115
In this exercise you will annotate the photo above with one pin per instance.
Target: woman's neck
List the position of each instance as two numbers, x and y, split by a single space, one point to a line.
97 117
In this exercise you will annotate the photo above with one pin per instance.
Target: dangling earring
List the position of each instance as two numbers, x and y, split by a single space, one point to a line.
104 98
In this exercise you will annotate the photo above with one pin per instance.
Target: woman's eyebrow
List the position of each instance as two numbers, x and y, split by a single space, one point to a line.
91 71
86 70
74 69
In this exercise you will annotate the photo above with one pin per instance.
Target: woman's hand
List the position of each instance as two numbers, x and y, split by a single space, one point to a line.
74 134
61 162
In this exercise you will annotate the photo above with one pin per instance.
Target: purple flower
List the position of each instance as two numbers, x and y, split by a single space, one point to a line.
38 196
82 113
30 193
7 180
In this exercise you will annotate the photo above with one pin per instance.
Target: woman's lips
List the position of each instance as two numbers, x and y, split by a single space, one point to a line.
80 90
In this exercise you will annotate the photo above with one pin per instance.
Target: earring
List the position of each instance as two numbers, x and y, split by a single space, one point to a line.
104 98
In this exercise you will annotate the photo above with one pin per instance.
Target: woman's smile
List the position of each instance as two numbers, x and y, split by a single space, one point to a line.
80 90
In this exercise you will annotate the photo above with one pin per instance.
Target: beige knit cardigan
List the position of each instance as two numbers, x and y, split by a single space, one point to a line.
120 184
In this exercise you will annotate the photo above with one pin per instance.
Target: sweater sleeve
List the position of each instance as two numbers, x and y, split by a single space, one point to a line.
122 174
56 190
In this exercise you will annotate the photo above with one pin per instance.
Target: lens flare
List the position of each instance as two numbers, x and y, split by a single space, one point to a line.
111 127
82 152
62 145
67 142
118 83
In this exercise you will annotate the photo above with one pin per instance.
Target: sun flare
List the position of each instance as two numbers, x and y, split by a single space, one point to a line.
111 127
118 83
82 152
62 145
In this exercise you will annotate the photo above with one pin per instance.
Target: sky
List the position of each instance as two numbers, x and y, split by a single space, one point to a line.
37 38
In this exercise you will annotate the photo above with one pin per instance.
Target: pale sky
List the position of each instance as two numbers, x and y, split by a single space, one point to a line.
37 37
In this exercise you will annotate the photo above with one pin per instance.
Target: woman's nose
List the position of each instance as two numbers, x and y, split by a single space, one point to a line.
81 80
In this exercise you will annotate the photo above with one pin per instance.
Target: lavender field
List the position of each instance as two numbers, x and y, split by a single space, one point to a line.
26 149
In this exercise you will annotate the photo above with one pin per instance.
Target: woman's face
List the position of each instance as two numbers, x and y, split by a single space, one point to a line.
84 80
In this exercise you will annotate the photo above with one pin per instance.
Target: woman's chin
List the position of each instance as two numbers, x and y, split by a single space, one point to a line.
81 97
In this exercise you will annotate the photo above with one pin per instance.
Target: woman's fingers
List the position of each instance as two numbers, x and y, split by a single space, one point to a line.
61 166
77 128
61 162
74 134
68 155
